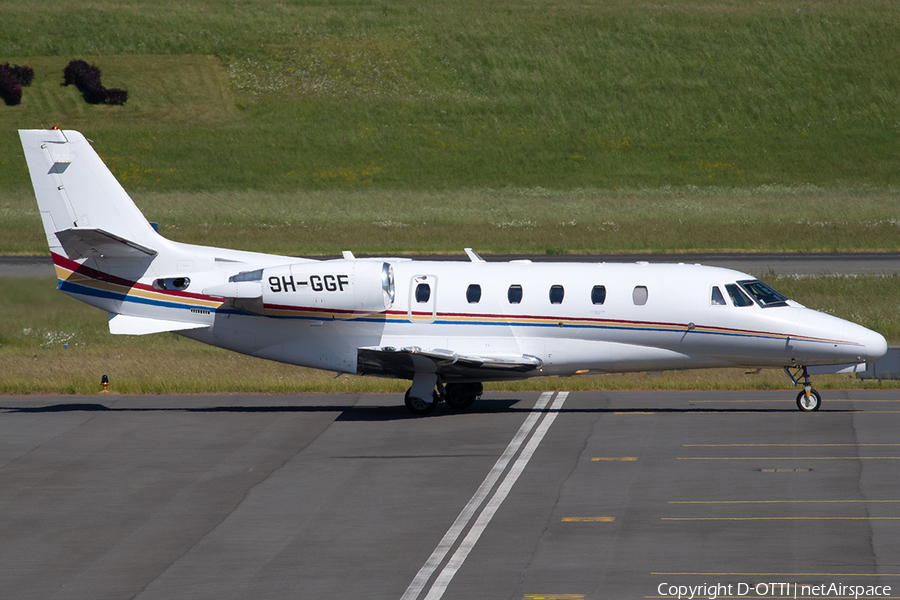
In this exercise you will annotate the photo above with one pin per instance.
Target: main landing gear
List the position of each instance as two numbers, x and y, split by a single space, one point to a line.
808 400
458 396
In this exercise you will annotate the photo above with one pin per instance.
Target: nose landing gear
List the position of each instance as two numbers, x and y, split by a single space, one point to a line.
808 400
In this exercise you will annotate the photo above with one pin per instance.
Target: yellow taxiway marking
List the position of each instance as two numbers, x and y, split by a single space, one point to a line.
615 458
789 458
780 518
588 519
779 501
635 413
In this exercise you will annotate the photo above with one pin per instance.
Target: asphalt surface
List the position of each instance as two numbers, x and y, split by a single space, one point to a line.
759 265
599 495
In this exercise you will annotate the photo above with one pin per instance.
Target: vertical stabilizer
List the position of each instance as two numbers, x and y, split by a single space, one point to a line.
78 194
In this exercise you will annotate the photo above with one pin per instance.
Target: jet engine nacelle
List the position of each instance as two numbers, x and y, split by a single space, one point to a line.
341 286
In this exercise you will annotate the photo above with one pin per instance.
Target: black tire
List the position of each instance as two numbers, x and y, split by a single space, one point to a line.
815 401
419 406
461 396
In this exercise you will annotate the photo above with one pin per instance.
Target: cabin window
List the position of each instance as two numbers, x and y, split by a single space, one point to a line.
556 294
514 294
598 294
640 295
763 294
423 293
473 293
717 299
738 298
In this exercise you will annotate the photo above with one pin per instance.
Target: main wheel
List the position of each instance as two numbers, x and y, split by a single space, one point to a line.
461 396
420 406
811 405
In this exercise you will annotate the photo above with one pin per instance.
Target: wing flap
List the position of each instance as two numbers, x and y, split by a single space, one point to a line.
450 365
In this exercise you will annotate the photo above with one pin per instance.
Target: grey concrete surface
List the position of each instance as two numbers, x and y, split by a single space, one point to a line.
347 496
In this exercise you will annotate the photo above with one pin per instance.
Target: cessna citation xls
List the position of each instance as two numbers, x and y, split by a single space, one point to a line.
446 326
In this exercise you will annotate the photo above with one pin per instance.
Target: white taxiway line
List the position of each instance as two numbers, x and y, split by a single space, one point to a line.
440 585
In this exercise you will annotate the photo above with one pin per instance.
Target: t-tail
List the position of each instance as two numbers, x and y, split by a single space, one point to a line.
105 251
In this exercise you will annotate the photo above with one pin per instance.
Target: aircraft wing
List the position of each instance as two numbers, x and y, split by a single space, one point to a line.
450 365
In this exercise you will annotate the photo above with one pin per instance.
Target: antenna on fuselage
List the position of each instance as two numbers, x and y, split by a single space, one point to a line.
473 256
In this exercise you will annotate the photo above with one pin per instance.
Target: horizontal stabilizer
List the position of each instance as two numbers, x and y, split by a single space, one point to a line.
404 362
129 325
80 242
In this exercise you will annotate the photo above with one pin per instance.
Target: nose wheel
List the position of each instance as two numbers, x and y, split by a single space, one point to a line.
808 400
809 403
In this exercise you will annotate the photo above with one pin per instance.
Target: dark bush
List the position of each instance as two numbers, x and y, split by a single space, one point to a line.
10 88
12 78
94 95
116 96
87 79
80 74
25 75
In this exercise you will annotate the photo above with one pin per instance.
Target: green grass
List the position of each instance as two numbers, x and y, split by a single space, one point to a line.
547 125
463 94
50 343
506 221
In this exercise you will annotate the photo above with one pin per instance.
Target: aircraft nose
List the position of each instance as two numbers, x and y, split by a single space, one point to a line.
876 346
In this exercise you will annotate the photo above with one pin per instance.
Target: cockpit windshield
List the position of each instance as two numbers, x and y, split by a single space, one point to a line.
763 294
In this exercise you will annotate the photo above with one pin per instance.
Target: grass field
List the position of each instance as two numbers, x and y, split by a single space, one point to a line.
545 125
506 220
405 95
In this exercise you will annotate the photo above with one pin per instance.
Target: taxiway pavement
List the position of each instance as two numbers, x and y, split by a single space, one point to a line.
595 495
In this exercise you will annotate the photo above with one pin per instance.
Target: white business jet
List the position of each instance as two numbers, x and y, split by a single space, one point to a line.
446 326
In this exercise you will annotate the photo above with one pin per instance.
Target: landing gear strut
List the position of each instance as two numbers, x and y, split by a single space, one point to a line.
808 400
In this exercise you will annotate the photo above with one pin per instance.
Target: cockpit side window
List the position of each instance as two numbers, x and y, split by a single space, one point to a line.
738 298
716 299
763 294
